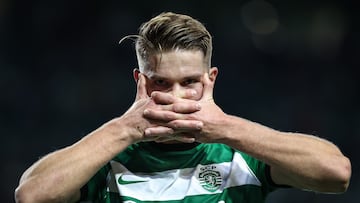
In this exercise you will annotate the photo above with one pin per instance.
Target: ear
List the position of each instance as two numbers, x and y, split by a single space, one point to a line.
213 72
136 72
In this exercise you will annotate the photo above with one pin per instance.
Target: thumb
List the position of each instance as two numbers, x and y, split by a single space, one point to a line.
208 88
141 92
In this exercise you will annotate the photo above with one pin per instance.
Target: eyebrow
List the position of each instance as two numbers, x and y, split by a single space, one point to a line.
157 76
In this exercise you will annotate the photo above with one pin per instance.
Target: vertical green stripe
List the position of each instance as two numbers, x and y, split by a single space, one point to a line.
97 183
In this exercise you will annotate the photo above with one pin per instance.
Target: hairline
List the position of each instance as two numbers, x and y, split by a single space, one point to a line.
143 66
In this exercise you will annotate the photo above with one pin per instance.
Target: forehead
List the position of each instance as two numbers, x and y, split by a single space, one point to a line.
176 64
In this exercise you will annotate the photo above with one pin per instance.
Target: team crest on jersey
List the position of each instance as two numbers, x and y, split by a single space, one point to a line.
210 178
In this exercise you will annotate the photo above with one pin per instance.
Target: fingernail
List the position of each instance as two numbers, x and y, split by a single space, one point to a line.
193 92
191 140
146 112
153 94
147 131
199 125
198 106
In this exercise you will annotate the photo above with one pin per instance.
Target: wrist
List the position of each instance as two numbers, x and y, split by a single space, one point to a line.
219 129
246 135
234 129
115 136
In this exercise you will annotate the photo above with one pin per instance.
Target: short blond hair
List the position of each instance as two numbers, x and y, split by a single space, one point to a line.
170 31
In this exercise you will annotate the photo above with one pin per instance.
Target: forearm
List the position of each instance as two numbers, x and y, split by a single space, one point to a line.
296 159
59 176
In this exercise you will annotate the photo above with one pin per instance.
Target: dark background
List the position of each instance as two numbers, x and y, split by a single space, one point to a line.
290 65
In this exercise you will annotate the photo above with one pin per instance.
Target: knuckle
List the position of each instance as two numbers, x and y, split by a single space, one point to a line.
170 131
177 108
175 124
169 116
166 116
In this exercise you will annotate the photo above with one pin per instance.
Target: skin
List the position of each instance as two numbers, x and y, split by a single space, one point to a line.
179 72
174 103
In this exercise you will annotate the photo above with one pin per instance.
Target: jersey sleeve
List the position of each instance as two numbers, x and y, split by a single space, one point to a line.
92 190
262 172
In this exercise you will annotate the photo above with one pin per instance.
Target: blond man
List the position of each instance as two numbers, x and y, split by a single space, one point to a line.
174 144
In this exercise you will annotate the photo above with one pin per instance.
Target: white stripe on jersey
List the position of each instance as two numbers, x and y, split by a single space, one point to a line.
179 183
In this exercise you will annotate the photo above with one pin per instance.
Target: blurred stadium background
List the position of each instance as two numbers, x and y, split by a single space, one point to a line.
291 65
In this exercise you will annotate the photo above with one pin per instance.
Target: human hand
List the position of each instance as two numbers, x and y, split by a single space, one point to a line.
171 123
208 120
136 123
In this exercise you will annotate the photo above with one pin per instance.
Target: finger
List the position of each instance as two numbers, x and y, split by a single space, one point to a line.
180 138
186 93
163 139
162 97
174 127
208 88
141 92
186 106
185 125
161 115
171 103
166 98
187 138
158 131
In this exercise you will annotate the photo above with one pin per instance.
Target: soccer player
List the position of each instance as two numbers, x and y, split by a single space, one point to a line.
174 144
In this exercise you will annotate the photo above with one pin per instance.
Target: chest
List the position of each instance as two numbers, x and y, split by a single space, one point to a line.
214 181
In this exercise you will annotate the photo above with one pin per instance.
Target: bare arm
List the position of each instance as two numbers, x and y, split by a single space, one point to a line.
299 160
59 176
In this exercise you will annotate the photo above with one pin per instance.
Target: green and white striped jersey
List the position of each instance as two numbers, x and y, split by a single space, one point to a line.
209 173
